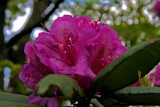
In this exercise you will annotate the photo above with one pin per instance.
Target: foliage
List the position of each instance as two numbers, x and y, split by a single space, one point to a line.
13 104
134 95
16 85
119 74
133 24
14 67
65 84
13 100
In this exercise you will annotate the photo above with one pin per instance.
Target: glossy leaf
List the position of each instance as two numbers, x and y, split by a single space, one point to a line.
138 95
14 104
123 71
13 98
108 102
68 87
96 103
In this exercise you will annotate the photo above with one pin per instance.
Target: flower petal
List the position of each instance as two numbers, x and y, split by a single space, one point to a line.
66 24
37 100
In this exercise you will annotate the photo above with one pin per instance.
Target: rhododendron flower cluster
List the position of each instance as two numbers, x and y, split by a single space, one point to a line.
74 46
157 7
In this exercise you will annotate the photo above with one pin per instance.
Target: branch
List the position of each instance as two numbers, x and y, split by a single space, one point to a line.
29 29
3 6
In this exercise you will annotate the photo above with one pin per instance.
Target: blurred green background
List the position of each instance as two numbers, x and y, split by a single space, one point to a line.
134 20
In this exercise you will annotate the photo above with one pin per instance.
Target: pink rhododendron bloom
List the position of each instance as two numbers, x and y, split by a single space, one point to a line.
74 46
156 7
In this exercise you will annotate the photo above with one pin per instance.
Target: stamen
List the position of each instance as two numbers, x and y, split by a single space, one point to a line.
70 39
60 50
63 41
31 79
70 49
66 49
98 20
65 57
99 61
42 26
27 60
95 23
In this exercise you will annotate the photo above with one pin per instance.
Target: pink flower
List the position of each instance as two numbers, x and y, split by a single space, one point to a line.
75 47
156 7
155 75
104 49
36 100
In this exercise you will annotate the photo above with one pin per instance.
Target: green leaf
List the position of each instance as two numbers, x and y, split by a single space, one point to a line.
67 86
96 103
123 71
154 80
138 95
14 104
144 80
108 102
13 98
